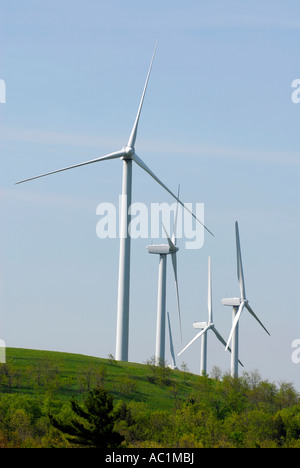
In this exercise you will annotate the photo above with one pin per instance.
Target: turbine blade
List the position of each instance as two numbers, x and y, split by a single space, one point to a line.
175 220
171 245
240 273
209 295
141 163
236 319
194 339
171 341
174 262
115 155
132 138
221 339
256 318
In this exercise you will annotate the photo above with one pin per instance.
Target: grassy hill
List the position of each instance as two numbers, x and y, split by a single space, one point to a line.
155 406
64 374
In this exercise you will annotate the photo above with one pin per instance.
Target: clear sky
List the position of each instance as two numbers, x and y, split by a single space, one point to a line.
218 118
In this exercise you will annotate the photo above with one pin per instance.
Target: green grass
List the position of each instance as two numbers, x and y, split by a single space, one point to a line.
126 381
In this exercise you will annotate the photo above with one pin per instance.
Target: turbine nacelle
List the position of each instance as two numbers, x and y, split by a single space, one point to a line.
162 249
233 301
201 325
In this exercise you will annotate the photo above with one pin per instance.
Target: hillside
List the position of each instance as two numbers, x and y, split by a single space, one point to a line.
154 406
64 374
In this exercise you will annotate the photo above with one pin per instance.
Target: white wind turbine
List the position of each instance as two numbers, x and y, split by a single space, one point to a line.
163 250
238 305
205 326
127 154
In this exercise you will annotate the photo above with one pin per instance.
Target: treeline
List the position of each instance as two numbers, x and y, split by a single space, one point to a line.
229 413
219 412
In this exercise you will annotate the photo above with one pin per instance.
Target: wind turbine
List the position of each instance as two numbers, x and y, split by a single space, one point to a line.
163 250
2 352
173 365
238 305
127 154
205 326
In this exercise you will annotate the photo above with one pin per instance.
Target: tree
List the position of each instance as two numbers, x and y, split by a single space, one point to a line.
161 373
216 373
93 426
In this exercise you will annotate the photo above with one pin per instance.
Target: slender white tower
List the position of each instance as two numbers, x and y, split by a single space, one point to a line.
161 310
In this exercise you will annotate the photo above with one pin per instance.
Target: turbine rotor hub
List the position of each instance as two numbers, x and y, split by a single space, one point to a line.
129 150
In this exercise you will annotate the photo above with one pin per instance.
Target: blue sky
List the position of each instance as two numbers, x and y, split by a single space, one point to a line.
217 118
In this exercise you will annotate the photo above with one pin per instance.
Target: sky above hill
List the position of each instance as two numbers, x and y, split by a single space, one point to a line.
221 118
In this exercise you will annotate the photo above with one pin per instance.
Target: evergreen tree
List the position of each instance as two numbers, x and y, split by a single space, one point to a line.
93 425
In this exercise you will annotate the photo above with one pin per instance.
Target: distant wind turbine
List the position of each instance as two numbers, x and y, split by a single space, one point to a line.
127 154
205 326
238 305
163 250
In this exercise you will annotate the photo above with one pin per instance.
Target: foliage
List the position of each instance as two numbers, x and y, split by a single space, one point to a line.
147 405
159 371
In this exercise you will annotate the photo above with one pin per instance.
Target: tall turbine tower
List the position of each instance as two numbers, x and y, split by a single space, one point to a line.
238 305
2 352
205 326
127 154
